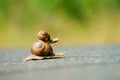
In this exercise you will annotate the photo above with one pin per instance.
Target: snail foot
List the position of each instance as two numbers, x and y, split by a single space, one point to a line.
34 57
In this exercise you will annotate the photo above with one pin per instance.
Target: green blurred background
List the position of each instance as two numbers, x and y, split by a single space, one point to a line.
78 22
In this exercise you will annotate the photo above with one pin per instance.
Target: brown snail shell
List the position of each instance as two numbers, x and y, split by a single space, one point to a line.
43 35
41 48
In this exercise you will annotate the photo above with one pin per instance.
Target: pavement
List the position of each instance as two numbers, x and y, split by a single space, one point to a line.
81 63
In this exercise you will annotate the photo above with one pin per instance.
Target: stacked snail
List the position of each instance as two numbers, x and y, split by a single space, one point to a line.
42 48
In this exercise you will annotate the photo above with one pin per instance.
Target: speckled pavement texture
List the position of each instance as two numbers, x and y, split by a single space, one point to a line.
80 63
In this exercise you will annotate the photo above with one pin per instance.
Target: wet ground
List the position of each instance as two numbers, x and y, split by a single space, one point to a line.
80 63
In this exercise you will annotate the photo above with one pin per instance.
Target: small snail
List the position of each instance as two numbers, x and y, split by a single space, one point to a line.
43 47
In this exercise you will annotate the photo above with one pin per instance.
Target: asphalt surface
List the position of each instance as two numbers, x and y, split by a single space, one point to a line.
80 63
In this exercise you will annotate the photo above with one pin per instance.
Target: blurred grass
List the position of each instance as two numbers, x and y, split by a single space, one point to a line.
79 22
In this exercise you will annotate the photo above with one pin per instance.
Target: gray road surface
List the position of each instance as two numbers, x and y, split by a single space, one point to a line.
81 63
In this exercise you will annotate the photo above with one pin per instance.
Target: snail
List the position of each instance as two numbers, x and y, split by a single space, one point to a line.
43 47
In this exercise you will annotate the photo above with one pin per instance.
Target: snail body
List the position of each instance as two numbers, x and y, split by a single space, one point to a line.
43 47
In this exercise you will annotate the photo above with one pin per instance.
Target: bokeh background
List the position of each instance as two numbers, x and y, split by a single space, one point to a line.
77 22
